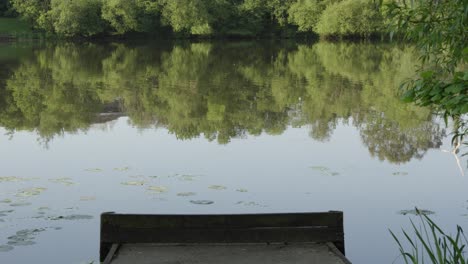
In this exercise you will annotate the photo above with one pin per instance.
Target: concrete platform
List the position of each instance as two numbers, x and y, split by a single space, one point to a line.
303 253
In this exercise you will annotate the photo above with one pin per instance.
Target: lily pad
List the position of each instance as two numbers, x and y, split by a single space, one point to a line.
400 173
30 192
94 170
72 217
29 232
21 243
13 179
64 181
217 187
242 190
186 194
187 177
5 201
248 203
157 189
24 237
20 204
202 202
416 212
134 183
87 198
325 171
122 169
6 248
320 168
5 213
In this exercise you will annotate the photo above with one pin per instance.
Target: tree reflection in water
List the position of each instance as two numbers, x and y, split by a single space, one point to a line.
222 91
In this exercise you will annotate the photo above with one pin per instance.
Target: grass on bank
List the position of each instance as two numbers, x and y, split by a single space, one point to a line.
431 245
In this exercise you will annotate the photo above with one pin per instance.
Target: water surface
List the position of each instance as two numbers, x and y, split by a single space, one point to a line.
228 127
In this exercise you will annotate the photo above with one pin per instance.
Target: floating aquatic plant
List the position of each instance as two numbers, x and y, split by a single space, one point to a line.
30 192
122 169
6 248
94 170
217 187
87 198
72 217
250 204
24 237
325 171
20 204
187 177
186 194
242 190
157 189
400 173
134 183
64 181
5 212
202 202
13 179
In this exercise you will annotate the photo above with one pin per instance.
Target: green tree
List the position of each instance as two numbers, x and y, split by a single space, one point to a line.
32 10
134 15
187 16
439 30
306 14
75 17
350 18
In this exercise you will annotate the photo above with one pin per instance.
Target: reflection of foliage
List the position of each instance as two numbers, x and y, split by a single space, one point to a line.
223 92
52 99
385 140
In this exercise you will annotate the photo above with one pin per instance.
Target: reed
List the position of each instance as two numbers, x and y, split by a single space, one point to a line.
432 245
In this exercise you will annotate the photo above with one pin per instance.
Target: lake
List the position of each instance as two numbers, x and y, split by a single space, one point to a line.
216 127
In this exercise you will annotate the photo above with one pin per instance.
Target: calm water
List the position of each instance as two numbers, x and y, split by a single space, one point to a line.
252 127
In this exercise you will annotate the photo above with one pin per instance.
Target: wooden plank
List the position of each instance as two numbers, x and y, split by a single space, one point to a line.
111 253
302 253
249 235
331 219
253 228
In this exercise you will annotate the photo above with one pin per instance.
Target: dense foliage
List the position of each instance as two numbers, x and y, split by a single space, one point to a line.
439 29
341 18
350 18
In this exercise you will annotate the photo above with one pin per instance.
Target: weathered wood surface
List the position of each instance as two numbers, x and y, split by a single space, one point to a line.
199 230
228 254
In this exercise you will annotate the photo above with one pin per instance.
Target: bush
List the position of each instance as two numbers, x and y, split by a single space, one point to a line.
31 10
122 15
134 15
350 18
74 17
305 14
187 16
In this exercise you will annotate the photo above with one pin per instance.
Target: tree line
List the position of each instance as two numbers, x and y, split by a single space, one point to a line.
241 18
